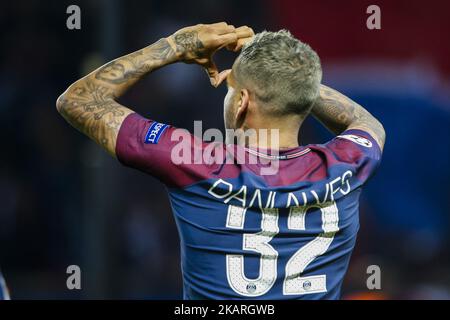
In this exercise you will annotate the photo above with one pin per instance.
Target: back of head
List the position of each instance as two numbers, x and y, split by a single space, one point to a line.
283 72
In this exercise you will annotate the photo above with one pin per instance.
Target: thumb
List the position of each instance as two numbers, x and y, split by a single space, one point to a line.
212 71
222 76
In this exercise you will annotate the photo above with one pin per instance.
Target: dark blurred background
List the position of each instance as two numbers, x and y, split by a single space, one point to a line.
64 202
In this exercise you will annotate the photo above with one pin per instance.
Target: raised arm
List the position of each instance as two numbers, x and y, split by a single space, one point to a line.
90 104
339 113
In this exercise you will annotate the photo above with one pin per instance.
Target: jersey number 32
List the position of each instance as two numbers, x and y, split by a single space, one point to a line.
294 283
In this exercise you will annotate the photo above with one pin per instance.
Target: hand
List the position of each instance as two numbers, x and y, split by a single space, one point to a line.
197 44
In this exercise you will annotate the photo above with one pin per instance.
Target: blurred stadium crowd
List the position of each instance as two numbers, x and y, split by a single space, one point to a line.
65 202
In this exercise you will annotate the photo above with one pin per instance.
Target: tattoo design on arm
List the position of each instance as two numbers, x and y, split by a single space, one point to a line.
188 42
90 103
339 113
135 65
92 109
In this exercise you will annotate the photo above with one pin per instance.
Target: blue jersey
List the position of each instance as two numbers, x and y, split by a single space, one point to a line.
255 224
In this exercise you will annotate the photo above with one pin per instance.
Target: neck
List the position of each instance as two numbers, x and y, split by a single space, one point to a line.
276 135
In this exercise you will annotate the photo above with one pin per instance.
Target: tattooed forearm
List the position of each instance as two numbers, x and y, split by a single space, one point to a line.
90 103
338 113
135 65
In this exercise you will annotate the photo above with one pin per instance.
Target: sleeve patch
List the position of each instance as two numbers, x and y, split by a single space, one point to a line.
154 132
357 139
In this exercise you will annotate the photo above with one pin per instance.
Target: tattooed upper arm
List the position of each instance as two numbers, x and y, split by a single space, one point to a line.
338 113
91 108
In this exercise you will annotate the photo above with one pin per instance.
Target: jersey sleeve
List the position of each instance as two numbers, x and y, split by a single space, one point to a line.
358 150
161 150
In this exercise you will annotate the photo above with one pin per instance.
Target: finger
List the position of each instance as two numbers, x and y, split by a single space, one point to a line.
241 42
244 32
222 28
219 24
227 39
212 71
229 29
244 35
222 76
237 46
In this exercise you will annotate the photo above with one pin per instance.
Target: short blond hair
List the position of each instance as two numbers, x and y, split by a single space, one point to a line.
284 72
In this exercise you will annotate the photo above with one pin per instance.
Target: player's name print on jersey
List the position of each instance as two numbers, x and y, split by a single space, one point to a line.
224 190
247 235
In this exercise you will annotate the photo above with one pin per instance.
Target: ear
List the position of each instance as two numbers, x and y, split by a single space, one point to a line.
242 108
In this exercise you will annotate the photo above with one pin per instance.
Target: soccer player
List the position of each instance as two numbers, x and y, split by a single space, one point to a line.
254 220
